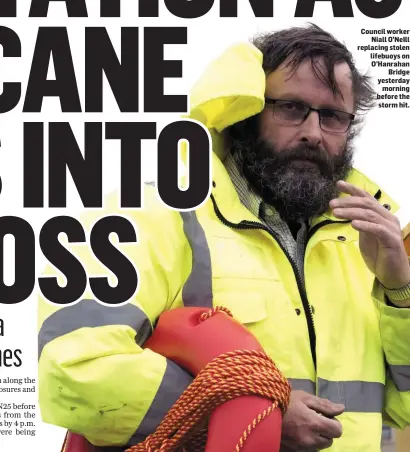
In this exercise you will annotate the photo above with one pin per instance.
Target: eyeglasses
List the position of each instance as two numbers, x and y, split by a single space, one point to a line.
295 113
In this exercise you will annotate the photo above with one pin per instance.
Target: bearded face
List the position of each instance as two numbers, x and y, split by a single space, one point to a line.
300 144
299 181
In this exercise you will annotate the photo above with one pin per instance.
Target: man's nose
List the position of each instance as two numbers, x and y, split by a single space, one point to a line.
310 131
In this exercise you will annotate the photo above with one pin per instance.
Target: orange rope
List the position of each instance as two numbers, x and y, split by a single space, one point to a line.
234 374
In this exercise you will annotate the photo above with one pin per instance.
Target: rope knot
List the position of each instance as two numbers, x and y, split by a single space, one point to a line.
207 315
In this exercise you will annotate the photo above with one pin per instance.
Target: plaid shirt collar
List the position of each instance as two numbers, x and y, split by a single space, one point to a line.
247 196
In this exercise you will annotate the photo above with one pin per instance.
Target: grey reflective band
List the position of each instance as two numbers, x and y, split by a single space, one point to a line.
173 384
356 396
401 377
300 384
197 290
90 314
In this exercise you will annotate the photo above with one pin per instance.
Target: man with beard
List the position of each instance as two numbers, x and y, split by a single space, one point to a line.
302 248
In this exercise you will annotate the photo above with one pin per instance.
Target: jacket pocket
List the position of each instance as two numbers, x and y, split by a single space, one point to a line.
245 308
269 316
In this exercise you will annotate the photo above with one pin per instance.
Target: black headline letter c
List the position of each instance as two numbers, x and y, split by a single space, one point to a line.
11 44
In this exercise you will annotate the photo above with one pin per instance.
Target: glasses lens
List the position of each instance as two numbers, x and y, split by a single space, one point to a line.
295 113
290 112
335 121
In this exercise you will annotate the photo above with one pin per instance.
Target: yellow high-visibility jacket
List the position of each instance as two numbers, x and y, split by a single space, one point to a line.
96 379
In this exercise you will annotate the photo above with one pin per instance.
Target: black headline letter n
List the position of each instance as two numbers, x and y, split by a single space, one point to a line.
122 75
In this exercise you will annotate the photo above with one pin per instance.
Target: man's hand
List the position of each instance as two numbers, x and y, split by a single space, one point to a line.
380 236
306 425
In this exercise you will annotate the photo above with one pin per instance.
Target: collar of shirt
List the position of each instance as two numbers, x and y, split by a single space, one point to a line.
251 200
247 196
267 214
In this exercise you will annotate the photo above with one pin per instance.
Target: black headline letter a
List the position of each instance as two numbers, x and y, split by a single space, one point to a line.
52 41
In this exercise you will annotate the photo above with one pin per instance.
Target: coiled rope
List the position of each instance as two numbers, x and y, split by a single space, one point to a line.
234 374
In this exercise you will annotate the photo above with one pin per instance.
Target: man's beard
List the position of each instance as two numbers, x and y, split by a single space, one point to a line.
297 190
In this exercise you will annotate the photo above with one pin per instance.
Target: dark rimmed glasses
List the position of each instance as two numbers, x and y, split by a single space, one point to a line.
295 113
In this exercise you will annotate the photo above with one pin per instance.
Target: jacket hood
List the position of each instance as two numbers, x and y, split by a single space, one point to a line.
231 89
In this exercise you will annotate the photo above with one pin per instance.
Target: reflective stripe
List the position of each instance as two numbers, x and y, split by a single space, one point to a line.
401 377
90 314
356 396
173 384
197 290
300 384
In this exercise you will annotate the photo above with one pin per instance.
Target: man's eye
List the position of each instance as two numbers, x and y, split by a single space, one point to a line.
329 114
291 107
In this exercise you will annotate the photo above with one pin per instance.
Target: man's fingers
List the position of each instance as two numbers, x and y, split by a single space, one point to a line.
359 213
323 443
307 426
312 443
350 189
328 428
369 205
289 446
324 406
309 445
360 202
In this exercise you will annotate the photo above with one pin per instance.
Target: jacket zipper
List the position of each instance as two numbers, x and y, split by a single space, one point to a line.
247 225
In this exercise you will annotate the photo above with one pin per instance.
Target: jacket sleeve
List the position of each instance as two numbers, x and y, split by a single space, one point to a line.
95 379
395 336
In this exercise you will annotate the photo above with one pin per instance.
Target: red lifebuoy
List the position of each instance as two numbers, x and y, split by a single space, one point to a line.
77 443
181 337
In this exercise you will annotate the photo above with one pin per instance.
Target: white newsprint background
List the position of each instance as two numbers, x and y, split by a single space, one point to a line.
382 150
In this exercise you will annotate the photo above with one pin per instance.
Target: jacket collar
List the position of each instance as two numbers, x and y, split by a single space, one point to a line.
227 199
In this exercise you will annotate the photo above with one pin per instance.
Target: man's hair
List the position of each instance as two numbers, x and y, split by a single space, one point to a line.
311 42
